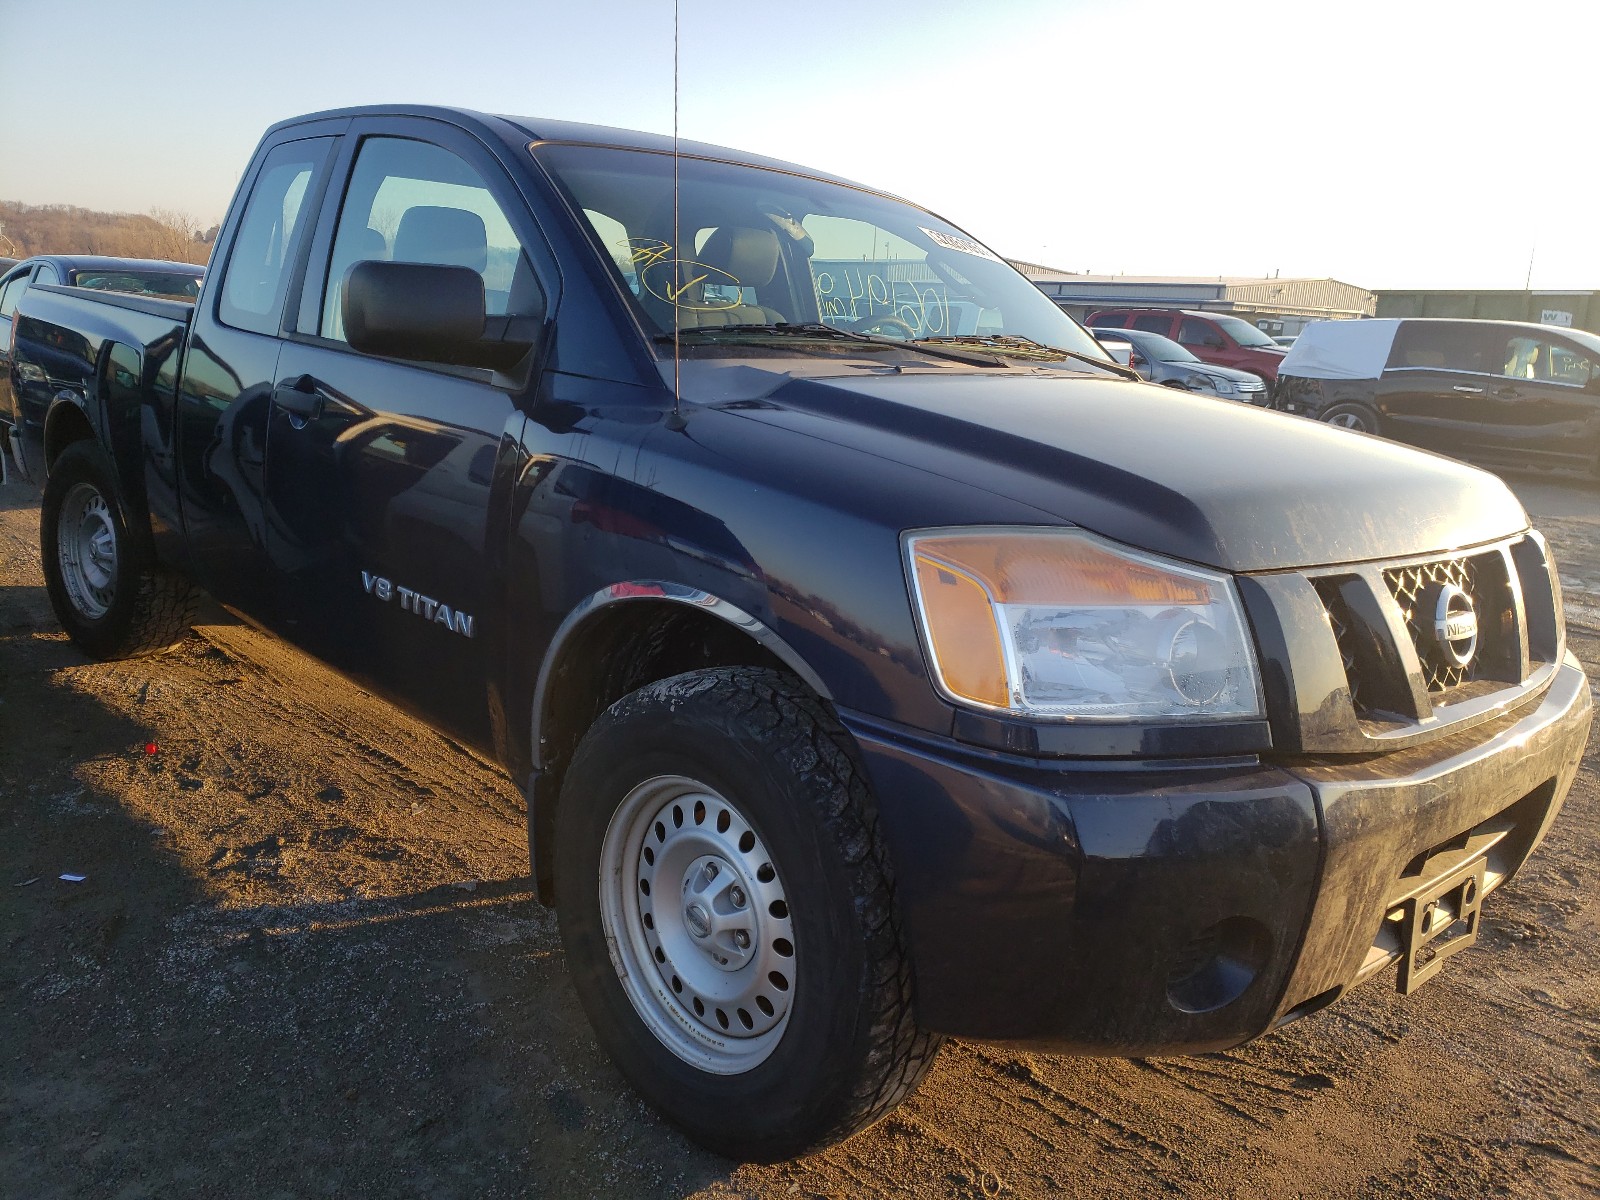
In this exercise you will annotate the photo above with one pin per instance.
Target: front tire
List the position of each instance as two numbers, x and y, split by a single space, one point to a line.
108 592
727 909
1355 417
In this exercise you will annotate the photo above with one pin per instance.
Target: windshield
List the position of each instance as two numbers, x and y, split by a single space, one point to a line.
142 283
1244 333
1153 345
763 247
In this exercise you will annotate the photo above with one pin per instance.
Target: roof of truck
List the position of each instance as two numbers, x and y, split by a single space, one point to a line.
545 129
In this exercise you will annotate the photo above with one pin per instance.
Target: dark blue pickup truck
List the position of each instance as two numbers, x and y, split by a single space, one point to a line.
881 662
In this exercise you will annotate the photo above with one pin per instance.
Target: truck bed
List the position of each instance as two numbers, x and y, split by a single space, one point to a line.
113 357
65 337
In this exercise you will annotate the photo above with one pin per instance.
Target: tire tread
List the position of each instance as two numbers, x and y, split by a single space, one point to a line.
817 747
161 604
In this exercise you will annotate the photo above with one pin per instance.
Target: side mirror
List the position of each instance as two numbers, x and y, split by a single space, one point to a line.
1213 341
425 312
1594 382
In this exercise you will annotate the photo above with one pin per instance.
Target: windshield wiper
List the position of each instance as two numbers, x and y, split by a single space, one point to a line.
781 328
803 329
1014 346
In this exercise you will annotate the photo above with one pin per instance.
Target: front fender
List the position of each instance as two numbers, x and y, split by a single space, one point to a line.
594 606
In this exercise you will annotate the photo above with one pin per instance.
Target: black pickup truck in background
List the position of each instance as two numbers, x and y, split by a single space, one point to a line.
880 661
25 409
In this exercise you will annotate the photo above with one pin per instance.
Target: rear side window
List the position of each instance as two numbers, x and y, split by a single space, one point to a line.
1153 323
46 274
257 274
1448 346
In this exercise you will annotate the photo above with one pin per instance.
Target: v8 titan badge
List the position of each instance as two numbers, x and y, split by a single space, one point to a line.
414 601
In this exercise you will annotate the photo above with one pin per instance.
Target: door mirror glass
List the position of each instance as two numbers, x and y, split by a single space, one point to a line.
426 312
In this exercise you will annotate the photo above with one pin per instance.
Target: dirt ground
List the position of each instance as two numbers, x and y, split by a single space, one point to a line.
304 961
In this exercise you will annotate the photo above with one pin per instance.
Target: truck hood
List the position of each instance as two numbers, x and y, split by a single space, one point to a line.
1226 485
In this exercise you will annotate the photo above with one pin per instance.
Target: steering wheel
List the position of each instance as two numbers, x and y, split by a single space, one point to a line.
881 324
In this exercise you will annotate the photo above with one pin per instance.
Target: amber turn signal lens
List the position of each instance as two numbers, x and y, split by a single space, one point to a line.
961 625
1032 569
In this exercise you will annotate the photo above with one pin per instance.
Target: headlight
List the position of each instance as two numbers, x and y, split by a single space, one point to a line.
1061 624
28 373
1201 381
1224 387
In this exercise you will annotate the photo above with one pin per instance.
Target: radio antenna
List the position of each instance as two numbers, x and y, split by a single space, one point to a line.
677 268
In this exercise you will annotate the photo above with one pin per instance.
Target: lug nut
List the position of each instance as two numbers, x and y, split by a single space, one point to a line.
736 894
711 872
741 939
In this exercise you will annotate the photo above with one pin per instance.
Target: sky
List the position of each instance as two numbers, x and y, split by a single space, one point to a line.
1408 143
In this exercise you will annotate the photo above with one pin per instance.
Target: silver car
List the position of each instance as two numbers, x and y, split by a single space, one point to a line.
1161 360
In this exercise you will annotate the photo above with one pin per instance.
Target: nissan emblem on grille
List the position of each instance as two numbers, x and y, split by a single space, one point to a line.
1455 625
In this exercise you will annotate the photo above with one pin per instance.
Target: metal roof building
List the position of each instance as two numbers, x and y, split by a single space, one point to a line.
1286 303
1576 309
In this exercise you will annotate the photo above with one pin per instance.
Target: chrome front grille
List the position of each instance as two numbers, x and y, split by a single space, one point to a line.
1410 587
1399 673
1347 654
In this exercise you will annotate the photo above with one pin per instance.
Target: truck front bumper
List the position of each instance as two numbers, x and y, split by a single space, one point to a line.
1161 908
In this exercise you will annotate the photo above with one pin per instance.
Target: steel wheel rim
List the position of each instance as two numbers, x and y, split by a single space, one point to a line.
698 925
86 550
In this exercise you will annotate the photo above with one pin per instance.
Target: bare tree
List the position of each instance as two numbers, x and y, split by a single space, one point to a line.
177 236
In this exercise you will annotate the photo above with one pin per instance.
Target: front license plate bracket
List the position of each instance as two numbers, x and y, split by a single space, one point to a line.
1439 924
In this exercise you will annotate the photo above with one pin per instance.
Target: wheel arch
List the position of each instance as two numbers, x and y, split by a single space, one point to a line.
65 423
1366 408
70 421
614 642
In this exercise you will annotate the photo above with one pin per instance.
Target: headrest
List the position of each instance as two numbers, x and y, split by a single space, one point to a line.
749 255
371 245
451 236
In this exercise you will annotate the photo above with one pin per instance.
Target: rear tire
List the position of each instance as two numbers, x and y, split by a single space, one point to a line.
1356 417
727 908
107 590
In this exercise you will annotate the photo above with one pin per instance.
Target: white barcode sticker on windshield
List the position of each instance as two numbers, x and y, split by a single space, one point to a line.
965 245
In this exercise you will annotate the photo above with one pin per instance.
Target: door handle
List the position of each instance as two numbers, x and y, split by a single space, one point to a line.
301 396
1469 391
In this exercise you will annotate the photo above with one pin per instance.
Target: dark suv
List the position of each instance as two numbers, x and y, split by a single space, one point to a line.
1499 392
1210 337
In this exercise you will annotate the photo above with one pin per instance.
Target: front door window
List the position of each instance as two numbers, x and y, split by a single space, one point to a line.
1544 361
410 201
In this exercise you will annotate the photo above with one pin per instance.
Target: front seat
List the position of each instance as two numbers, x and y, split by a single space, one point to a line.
451 237
750 256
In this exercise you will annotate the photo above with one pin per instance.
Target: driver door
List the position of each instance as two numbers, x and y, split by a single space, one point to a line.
386 509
